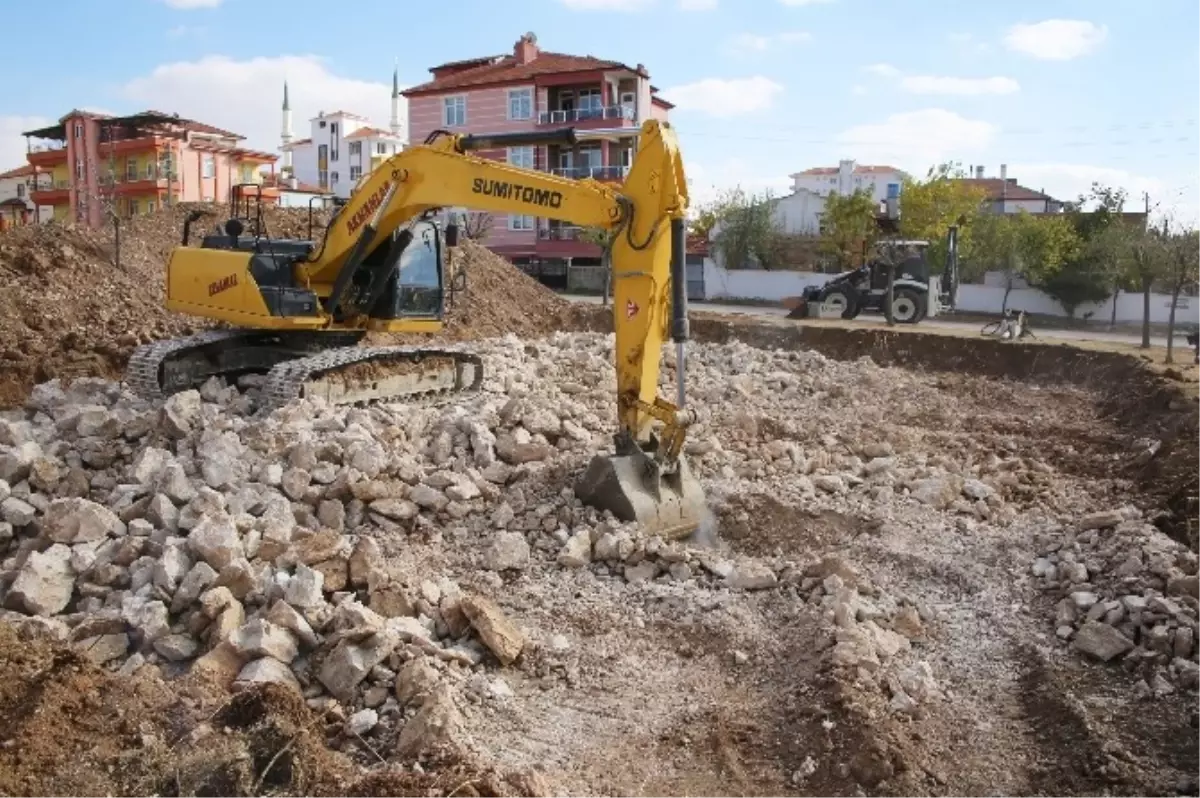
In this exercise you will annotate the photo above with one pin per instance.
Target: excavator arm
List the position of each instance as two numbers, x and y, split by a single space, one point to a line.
647 479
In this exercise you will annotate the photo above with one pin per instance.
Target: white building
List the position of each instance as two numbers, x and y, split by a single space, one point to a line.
848 177
16 206
341 147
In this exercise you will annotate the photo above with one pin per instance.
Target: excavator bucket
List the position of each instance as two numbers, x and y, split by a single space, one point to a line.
671 506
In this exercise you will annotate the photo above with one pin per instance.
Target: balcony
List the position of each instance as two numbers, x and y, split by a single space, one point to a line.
624 113
601 173
563 233
47 153
50 192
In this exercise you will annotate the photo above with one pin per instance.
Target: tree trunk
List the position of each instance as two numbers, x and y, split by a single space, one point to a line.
1147 284
1175 291
606 263
1112 322
1008 287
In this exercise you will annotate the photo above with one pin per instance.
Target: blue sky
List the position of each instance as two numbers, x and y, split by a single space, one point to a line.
1063 92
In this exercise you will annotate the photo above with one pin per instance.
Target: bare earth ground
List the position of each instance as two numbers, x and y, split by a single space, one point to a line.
687 686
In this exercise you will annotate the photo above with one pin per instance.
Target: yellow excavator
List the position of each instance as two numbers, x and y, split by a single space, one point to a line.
298 309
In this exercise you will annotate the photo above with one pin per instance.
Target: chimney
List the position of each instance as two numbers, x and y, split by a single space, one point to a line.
526 49
979 173
1004 171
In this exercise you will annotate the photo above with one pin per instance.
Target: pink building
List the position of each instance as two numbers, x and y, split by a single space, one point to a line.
529 90
95 165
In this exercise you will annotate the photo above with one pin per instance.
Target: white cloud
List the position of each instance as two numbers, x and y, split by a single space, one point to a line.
243 96
744 43
858 90
882 70
607 5
190 4
916 140
725 97
939 84
933 84
1067 181
1056 39
697 5
12 143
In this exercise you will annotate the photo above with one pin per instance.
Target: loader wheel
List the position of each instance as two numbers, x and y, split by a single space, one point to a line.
839 301
907 307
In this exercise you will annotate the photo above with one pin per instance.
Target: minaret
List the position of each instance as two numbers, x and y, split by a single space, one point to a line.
396 100
286 137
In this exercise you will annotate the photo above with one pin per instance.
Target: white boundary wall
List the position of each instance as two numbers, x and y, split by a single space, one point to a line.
773 286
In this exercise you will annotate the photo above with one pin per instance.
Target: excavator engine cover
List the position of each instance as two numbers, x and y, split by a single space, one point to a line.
669 505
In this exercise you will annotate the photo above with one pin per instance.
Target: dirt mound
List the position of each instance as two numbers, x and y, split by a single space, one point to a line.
68 727
499 299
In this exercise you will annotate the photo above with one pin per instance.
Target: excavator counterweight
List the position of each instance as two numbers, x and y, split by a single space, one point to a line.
299 309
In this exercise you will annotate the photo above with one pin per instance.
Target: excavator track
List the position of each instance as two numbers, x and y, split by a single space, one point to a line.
364 375
303 365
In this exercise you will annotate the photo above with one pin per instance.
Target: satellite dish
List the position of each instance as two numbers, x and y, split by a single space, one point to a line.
531 36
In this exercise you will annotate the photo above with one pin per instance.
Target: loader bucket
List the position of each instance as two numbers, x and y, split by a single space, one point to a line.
671 506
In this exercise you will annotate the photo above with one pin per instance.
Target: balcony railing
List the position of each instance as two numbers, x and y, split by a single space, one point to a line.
48 146
52 185
625 112
594 172
562 233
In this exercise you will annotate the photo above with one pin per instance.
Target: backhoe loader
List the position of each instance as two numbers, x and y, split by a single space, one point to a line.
298 309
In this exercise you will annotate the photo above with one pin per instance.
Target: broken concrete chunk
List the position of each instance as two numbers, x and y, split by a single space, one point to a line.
508 550
1101 641
284 615
176 648
1101 520
215 540
752 576
261 638
496 631
437 724
44 584
305 588
351 660
77 520
266 670
577 551
367 557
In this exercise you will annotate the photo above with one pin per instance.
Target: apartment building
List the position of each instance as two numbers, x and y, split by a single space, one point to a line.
96 165
531 89
16 202
341 146
848 177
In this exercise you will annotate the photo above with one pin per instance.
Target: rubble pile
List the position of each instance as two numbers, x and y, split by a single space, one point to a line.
420 574
1128 593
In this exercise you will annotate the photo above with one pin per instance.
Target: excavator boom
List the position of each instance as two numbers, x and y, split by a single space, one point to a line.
289 298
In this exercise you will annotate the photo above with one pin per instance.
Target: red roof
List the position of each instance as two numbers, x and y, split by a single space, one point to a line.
508 70
368 132
697 244
20 171
340 113
300 141
997 188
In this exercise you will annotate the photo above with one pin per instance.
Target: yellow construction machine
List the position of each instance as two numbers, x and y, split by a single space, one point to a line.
299 309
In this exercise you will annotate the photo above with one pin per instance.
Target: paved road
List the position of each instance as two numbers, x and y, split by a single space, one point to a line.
964 326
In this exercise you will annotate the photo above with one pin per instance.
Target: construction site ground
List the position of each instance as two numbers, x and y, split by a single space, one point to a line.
942 565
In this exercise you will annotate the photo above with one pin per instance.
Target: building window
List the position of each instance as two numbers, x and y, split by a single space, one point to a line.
20 190
333 178
356 148
133 207
131 170
323 179
78 130
517 222
355 172
208 166
381 149
521 156
333 129
149 206
520 103
78 169
590 100
454 111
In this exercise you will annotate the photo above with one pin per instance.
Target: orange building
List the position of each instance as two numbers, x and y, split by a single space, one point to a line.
99 165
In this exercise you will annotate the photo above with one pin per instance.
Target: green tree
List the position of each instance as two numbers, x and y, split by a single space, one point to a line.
602 238
1148 264
929 207
1182 270
1100 267
745 229
848 227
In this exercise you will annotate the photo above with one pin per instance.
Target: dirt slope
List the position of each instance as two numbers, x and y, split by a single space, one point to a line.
67 311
